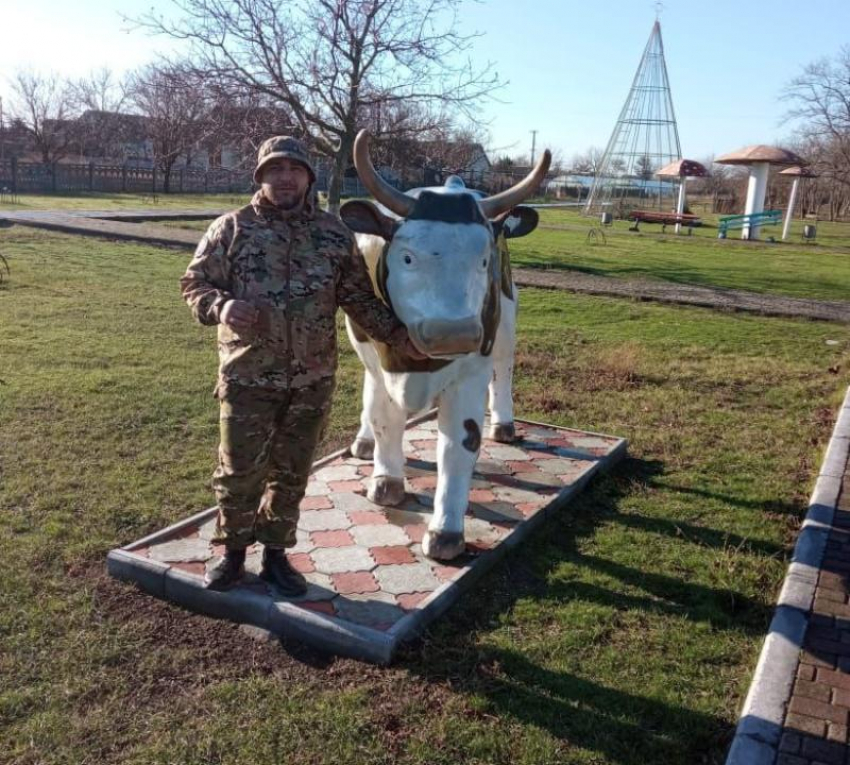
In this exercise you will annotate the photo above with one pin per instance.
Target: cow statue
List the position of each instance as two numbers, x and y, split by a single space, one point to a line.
439 260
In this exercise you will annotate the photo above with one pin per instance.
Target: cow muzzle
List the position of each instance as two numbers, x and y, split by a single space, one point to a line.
441 337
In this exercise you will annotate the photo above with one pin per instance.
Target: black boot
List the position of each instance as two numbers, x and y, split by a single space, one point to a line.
226 571
278 571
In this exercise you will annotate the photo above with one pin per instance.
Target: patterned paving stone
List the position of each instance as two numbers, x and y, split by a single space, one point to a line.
512 495
337 538
379 536
339 560
558 466
490 467
384 556
317 489
315 503
185 550
376 610
505 453
367 518
496 512
337 473
324 520
345 486
416 577
349 502
354 582
364 563
410 600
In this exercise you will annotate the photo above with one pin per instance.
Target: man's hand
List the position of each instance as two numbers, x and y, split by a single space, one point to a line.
239 315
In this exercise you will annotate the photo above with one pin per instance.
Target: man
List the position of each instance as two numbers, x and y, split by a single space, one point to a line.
272 275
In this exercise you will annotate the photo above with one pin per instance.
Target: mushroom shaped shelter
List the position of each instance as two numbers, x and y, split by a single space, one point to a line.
682 169
796 173
758 159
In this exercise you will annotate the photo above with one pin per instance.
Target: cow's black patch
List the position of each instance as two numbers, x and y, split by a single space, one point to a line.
472 442
447 208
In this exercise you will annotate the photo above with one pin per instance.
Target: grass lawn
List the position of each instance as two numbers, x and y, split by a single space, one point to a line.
820 270
109 201
625 632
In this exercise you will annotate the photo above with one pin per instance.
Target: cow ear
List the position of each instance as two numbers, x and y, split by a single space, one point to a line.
519 221
364 218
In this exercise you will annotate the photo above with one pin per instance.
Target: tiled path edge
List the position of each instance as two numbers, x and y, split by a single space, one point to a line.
770 727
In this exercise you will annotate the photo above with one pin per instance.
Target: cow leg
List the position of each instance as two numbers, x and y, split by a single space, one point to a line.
460 419
501 399
363 446
386 421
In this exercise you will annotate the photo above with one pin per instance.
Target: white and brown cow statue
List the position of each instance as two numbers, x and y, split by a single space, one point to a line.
439 260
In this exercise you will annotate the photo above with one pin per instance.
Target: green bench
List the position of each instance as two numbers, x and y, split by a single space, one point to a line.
753 220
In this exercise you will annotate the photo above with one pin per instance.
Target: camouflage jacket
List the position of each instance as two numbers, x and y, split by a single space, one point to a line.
296 269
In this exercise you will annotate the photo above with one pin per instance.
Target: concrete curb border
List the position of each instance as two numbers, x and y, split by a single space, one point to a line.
759 728
335 635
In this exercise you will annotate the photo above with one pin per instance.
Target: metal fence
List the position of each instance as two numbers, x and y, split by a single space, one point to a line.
33 177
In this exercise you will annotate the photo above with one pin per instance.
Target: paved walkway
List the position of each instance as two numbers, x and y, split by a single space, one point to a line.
141 225
797 711
816 723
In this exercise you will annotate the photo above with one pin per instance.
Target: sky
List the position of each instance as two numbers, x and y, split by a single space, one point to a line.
567 64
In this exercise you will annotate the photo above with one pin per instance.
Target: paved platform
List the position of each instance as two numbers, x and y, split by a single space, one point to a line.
370 587
797 711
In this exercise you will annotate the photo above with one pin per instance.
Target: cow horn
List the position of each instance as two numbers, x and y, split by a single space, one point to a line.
504 201
387 195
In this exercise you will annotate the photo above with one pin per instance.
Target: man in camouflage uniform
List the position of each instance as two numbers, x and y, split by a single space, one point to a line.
271 276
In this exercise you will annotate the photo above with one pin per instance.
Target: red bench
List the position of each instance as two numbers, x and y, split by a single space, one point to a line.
664 218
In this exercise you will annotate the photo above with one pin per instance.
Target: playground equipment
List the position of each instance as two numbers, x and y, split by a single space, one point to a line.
758 159
753 221
796 173
644 139
682 169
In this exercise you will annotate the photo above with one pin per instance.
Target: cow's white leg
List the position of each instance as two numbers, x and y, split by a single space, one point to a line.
460 419
501 396
386 421
363 446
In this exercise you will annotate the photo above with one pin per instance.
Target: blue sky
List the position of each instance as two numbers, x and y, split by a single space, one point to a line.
568 63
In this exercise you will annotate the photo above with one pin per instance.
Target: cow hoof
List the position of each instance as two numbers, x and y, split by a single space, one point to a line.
386 490
503 432
363 449
443 545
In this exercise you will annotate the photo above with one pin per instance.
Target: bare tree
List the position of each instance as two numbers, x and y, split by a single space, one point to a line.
176 112
103 129
44 105
820 99
331 62
587 162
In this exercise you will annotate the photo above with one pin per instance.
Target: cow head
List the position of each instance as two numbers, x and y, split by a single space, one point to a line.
441 265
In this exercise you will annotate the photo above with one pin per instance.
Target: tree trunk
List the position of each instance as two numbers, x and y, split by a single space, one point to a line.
338 168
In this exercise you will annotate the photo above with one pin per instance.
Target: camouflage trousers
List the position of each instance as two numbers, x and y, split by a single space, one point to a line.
268 439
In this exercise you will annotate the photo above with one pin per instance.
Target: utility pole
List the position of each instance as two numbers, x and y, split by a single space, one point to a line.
533 145
1 129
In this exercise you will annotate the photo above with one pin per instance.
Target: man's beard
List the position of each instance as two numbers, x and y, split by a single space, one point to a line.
287 200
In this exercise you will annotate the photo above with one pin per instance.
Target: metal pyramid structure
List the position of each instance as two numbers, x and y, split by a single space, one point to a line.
645 139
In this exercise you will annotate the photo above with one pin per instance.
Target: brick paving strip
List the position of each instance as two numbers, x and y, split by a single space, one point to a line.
370 586
796 712
140 225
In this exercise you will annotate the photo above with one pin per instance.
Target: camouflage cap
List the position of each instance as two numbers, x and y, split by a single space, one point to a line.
283 147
